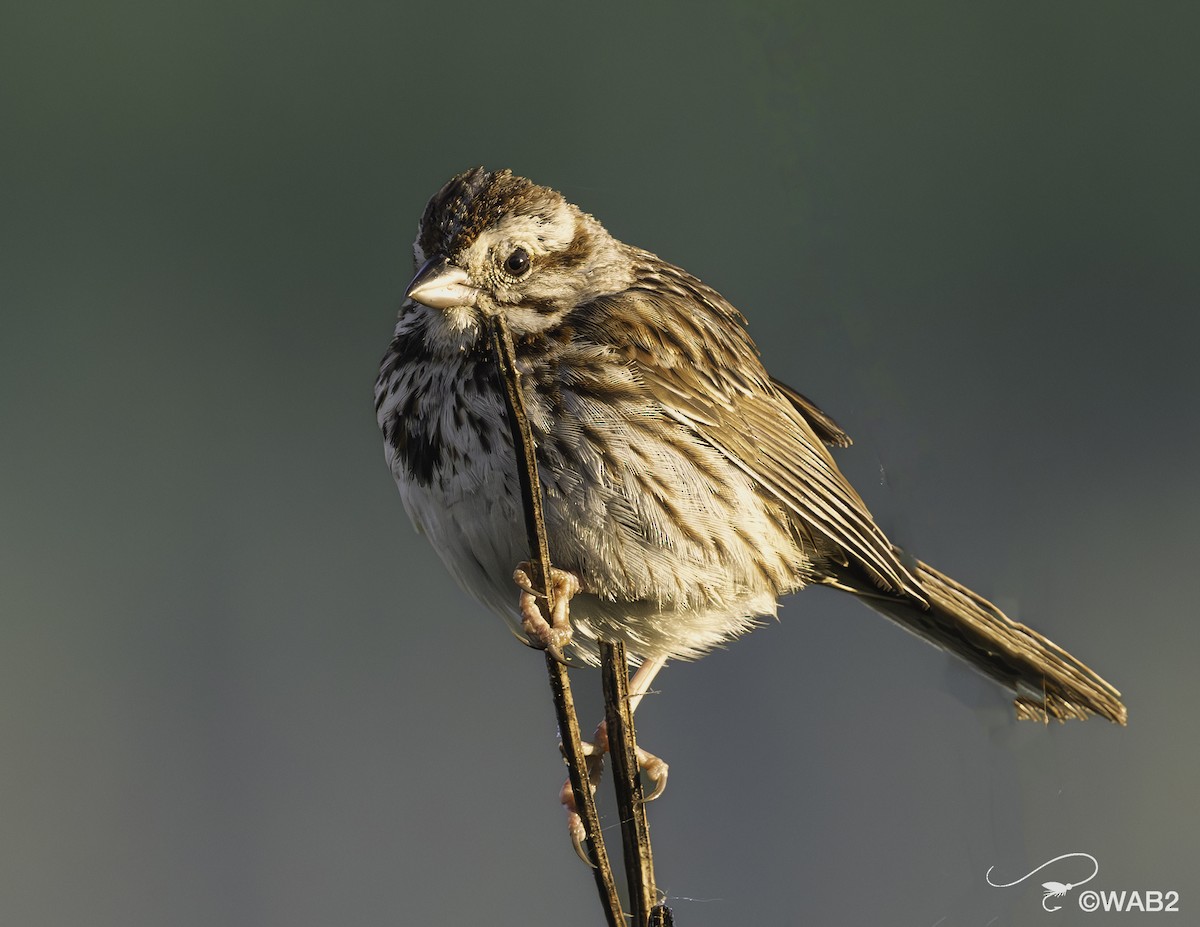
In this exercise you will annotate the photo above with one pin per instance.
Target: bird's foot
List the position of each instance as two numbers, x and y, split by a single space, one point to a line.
655 769
555 634
594 767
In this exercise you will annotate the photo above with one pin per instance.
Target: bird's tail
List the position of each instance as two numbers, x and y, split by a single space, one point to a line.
1048 681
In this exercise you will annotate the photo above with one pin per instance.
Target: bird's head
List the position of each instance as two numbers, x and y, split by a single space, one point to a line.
492 242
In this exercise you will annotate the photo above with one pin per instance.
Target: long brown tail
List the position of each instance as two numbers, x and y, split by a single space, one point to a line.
1048 681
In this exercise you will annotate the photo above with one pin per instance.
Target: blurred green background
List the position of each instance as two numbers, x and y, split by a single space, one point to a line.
237 689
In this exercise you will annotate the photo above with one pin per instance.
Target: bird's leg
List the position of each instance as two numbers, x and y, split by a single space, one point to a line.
654 767
555 634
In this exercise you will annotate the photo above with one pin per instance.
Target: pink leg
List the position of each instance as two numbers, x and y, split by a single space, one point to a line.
654 767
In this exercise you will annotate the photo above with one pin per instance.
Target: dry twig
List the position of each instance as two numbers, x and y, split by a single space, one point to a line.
560 684
631 804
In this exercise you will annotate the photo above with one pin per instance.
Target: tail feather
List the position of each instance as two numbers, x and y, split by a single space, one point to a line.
1048 681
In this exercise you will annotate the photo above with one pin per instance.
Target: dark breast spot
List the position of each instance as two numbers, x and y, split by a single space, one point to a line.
419 447
415 432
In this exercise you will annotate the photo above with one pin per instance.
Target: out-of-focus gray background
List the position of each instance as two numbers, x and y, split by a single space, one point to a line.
237 689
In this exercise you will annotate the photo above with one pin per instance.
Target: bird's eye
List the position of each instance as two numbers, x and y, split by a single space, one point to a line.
517 263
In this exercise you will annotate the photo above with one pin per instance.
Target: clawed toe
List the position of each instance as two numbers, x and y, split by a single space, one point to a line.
656 771
593 753
575 824
553 635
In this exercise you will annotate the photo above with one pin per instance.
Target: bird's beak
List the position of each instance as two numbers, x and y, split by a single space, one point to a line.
441 285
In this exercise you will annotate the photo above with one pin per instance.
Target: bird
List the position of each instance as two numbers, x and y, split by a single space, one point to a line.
685 490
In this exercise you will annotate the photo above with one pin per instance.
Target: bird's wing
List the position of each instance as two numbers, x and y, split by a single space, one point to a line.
822 423
688 348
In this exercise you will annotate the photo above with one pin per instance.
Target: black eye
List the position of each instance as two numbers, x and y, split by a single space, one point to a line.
517 263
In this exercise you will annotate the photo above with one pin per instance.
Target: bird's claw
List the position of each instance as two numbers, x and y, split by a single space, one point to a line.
656 771
554 635
575 824
556 654
593 770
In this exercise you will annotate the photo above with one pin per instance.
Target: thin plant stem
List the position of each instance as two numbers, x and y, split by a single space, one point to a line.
631 803
560 683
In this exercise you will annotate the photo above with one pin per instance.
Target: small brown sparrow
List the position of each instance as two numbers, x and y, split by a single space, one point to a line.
685 489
